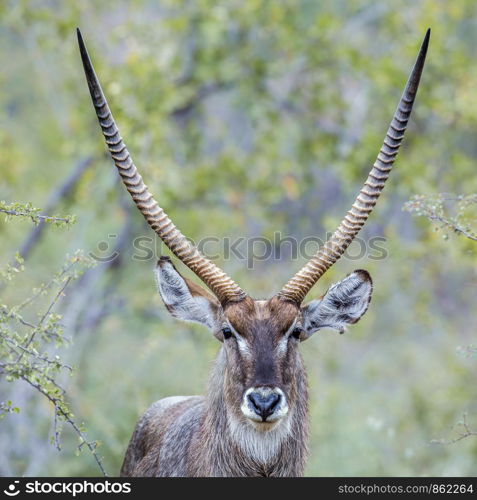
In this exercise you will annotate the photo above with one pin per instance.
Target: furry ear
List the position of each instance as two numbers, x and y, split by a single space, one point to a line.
343 304
183 298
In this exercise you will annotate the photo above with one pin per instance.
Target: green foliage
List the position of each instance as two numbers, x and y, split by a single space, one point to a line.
27 345
7 407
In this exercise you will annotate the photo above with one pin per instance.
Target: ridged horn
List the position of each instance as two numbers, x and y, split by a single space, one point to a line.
221 285
298 286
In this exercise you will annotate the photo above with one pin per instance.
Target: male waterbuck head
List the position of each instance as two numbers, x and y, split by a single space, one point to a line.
257 397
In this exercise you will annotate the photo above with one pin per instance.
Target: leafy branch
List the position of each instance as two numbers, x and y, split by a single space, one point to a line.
24 346
28 211
447 211
467 350
463 431
457 213
62 412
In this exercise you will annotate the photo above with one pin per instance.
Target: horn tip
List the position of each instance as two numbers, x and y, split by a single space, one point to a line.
427 36
425 45
91 79
82 47
415 76
80 37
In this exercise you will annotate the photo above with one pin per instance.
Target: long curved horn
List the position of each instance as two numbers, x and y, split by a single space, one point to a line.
297 288
221 285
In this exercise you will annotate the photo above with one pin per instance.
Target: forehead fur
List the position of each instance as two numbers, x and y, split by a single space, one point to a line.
251 316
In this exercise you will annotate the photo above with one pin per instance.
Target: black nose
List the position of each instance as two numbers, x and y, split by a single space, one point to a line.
264 404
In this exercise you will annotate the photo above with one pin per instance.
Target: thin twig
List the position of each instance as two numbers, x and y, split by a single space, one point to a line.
34 217
24 322
451 225
46 286
55 300
56 432
467 432
45 315
59 410
16 345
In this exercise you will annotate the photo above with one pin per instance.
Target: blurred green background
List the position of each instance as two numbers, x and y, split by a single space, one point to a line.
246 118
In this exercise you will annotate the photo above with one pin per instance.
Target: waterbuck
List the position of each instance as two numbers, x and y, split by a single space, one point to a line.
254 419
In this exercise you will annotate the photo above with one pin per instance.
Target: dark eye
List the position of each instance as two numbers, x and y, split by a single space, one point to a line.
296 333
227 332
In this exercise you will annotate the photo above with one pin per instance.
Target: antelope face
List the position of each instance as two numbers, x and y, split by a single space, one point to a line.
263 366
260 339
